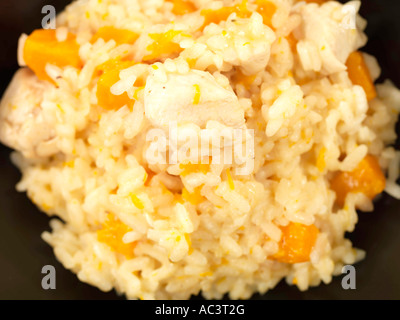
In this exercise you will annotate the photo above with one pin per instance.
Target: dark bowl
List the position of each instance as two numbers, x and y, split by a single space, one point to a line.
23 253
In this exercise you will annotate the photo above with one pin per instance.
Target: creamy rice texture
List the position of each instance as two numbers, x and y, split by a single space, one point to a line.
168 231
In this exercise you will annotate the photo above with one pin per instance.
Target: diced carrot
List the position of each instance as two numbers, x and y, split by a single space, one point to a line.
120 36
182 7
163 45
267 9
110 76
296 243
112 232
216 16
42 47
359 74
366 178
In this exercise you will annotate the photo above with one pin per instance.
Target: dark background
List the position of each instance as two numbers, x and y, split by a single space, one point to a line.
23 253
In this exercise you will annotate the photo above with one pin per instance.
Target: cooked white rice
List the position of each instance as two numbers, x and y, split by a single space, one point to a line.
81 162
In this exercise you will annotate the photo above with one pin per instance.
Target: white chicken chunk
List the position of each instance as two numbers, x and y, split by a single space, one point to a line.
195 97
230 41
22 125
331 31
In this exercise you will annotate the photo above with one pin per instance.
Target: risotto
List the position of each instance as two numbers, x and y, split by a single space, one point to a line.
109 113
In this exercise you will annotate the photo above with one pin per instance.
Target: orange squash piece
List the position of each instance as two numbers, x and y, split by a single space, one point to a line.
110 76
109 64
120 36
296 243
181 7
366 178
112 233
267 9
163 45
359 74
216 16
42 47
264 7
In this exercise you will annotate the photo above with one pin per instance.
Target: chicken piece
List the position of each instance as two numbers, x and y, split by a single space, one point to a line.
230 41
195 97
331 29
22 123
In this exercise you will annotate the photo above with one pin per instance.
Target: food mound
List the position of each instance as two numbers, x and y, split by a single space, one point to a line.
101 101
